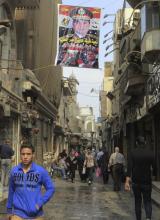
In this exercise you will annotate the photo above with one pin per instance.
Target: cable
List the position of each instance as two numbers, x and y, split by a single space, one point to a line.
79 93
111 3
89 82
84 2
87 95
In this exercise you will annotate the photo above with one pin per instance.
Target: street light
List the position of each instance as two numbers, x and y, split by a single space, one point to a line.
107 15
106 22
94 90
110 46
92 133
106 35
111 51
110 38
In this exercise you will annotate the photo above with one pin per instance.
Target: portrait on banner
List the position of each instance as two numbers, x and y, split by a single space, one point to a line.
78 36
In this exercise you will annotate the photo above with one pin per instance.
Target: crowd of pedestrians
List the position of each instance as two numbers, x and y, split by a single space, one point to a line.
90 163
137 172
25 200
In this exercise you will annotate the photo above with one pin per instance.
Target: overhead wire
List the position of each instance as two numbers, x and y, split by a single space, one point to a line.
84 2
80 93
87 82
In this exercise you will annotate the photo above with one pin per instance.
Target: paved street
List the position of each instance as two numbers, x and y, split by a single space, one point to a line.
73 201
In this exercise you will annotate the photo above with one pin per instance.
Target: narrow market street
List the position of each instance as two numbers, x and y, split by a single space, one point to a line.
79 99
79 201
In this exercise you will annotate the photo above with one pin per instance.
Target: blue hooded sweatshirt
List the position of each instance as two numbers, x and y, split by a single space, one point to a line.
25 191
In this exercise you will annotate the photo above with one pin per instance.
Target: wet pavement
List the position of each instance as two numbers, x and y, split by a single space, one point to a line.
78 201
74 201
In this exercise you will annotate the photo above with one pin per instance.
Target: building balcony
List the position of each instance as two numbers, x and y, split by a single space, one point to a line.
135 85
26 3
31 85
150 46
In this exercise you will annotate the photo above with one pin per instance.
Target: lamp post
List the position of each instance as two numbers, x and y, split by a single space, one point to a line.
92 133
111 51
110 46
110 38
107 15
106 35
106 22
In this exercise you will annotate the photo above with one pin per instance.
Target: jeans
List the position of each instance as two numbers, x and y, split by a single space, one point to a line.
89 171
6 167
142 191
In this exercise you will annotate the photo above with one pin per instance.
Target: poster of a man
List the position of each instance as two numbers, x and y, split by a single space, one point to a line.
78 35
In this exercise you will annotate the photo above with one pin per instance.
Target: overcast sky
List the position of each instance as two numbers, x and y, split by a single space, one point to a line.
89 78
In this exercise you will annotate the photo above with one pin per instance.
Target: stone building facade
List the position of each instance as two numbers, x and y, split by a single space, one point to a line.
30 83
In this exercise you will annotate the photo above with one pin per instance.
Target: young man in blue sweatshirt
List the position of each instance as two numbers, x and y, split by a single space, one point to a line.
25 199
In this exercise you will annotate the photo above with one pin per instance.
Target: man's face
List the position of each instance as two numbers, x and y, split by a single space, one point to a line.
26 155
91 56
81 27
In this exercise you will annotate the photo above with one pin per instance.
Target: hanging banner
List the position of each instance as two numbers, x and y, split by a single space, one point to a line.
78 36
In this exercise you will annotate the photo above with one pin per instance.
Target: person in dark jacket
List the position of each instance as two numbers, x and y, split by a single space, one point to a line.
6 154
80 162
25 199
103 162
71 162
139 170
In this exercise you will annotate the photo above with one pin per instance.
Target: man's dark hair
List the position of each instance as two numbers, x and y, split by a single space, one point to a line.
140 140
30 146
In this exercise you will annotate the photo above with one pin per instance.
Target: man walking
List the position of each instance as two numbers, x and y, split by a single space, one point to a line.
89 163
25 199
140 164
6 154
116 165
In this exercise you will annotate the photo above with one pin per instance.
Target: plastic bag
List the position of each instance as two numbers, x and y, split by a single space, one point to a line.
98 172
84 170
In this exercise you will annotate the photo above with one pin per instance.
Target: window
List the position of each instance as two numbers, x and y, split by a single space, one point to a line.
150 17
3 14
